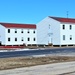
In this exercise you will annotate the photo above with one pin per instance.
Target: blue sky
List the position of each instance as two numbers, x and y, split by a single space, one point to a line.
33 11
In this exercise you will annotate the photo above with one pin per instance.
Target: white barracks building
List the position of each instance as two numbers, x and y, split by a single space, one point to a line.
17 34
51 30
56 31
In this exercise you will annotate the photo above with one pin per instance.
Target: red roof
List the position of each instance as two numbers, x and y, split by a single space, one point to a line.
70 20
14 25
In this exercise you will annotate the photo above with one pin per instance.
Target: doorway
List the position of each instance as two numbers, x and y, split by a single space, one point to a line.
50 40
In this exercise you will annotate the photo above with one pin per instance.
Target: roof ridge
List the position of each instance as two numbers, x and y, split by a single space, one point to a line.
60 17
15 23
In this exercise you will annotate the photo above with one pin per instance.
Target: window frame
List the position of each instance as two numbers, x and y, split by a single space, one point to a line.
15 30
64 37
63 27
70 37
22 39
9 39
34 39
22 31
15 38
70 27
49 26
34 31
8 30
28 31
28 39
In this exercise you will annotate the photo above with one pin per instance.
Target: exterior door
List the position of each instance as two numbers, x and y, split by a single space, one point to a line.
50 40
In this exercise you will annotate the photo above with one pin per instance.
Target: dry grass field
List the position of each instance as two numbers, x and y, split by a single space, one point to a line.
16 62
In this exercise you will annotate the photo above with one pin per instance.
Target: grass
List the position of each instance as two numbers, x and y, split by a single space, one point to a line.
17 62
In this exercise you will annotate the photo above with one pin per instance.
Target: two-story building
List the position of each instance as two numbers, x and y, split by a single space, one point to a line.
17 34
51 30
56 31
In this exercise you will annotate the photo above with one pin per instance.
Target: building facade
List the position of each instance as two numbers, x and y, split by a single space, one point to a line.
56 31
17 34
51 30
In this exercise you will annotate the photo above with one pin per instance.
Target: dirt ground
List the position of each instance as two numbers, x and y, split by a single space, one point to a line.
17 62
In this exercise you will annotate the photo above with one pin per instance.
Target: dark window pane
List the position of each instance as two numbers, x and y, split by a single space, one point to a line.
63 26
70 37
34 39
70 27
15 30
28 39
15 39
8 30
33 31
63 37
22 39
28 32
21 31
8 39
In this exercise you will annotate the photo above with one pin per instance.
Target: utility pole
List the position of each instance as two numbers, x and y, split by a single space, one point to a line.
67 14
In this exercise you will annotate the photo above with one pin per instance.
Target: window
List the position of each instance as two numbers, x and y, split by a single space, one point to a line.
34 39
63 37
70 27
49 26
15 30
63 26
15 39
28 31
28 39
22 39
22 31
70 37
8 39
33 31
8 30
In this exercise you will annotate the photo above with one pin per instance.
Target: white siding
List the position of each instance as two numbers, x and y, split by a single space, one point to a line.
67 32
12 35
2 34
43 31
55 29
48 31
